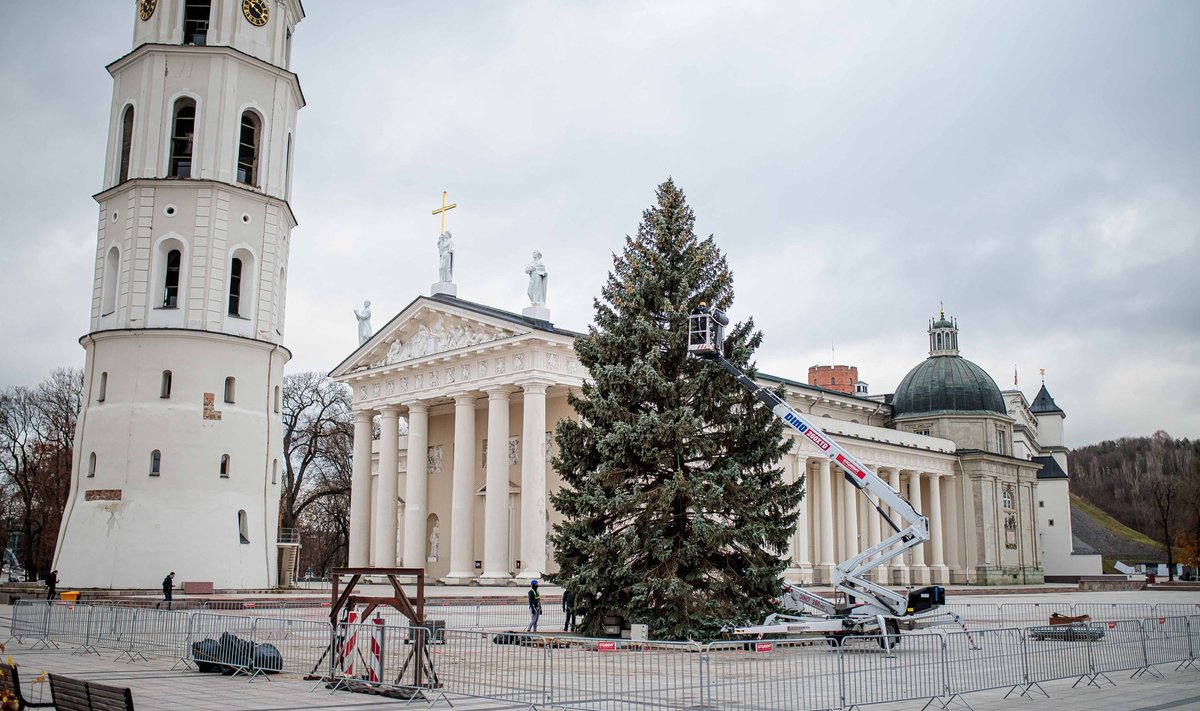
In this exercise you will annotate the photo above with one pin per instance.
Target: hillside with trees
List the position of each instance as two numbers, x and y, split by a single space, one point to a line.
1149 484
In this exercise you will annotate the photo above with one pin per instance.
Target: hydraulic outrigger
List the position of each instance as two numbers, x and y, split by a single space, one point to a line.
871 608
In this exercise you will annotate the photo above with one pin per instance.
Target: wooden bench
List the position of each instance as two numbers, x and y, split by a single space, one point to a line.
77 695
10 684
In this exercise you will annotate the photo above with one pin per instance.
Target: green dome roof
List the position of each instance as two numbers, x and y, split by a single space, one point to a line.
946 383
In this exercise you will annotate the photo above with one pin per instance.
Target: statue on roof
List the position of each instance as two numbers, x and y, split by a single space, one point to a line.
537 280
364 322
446 258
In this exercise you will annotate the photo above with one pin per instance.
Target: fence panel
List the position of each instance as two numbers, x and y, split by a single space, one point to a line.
978 614
1167 640
1176 609
600 673
1056 652
162 632
1120 648
302 644
68 623
782 674
913 671
493 665
986 659
1024 614
221 642
1104 611
30 620
111 627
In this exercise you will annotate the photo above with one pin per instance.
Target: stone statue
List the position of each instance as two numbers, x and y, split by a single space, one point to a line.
364 322
446 258
537 280
435 539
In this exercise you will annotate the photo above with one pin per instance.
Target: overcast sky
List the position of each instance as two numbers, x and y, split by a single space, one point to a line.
1034 165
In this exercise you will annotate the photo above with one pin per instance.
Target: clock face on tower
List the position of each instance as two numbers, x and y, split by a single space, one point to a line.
256 11
146 8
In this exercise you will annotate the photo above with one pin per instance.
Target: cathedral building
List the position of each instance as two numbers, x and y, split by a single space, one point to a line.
179 443
464 492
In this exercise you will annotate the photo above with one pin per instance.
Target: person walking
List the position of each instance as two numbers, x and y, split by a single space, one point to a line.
168 586
51 584
535 606
568 604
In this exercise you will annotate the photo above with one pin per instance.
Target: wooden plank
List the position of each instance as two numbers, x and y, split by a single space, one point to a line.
110 698
69 694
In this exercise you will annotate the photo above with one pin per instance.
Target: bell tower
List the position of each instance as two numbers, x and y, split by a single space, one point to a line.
179 445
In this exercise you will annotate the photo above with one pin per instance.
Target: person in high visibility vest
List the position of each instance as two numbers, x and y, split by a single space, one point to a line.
535 606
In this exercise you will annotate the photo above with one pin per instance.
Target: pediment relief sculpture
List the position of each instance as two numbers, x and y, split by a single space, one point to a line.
436 337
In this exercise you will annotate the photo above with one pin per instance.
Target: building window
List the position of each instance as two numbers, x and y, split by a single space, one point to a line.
247 167
195 21
166 384
1007 498
287 169
103 387
126 144
1041 504
275 472
171 280
91 465
235 286
922 432
1051 522
1000 442
224 466
155 463
112 265
182 133
243 527
230 384
278 402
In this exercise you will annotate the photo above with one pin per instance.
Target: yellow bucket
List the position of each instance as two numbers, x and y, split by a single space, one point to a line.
70 595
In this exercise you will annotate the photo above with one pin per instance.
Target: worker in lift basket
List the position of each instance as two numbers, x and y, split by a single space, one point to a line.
535 606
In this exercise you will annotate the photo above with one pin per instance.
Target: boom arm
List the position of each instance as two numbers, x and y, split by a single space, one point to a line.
704 341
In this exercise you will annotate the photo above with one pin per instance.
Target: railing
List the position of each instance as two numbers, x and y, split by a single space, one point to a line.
582 673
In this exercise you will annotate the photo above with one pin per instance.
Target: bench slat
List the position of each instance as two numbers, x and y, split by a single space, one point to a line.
110 698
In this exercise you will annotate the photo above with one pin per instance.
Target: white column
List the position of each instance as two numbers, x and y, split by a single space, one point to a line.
417 485
495 507
825 489
462 494
899 568
533 482
920 573
360 491
387 488
800 552
936 545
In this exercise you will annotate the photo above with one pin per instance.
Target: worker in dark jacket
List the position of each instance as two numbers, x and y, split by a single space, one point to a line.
51 584
535 606
568 604
168 586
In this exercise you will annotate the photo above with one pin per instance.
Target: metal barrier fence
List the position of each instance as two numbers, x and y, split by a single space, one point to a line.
586 674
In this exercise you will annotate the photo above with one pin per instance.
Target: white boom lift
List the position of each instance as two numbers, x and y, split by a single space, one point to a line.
871 608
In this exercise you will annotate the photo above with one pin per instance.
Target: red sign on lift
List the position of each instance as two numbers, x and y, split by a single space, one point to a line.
764 646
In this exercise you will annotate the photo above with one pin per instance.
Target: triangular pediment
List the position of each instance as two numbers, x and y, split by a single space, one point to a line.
424 329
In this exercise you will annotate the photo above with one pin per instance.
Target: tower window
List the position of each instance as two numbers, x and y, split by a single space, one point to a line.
171 282
195 21
126 144
224 466
103 387
1041 504
182 132
112 265
1000 443
1051 522
1007 498
91 465
247 170
230 384
277 401
275 471
243 527
155 463
166 384
235 287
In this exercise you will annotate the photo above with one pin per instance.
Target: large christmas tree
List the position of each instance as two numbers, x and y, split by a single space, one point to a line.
676 513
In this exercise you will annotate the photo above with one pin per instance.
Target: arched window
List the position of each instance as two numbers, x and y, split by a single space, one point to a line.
195 21
230 384
92 465
1007 498
278 402
171 280
243 526
248 138
287 170
155 463
183 130
224 466
939 341
112 266
103 390
126 144
235 287
275 471
166 384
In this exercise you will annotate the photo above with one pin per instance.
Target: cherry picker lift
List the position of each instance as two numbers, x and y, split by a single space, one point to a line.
869 608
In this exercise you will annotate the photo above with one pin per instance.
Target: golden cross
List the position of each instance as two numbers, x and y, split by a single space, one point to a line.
442 211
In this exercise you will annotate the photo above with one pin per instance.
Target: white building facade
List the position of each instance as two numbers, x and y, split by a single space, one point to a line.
178 447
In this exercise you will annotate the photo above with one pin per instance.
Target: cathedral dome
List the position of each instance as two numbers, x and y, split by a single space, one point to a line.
947 383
